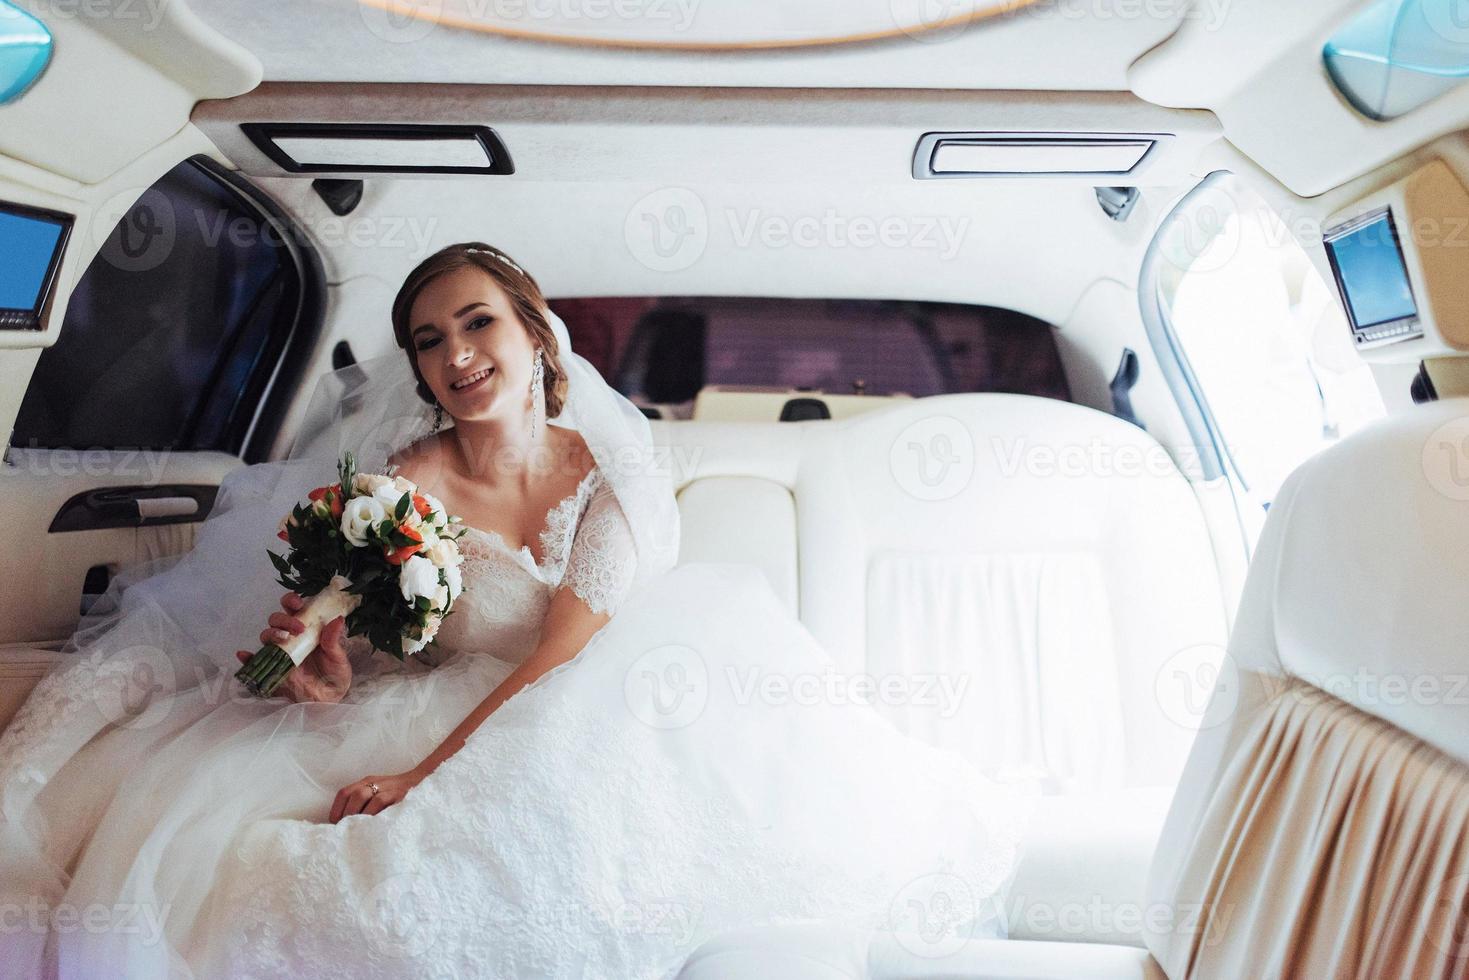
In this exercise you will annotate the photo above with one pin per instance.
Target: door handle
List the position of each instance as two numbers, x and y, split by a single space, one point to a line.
136 506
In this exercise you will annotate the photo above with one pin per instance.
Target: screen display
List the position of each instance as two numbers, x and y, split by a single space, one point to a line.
29 247
1369 266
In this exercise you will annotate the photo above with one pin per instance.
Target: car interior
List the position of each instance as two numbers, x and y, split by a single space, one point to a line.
1110 357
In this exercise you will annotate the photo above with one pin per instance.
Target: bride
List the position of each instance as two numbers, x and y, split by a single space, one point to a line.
585 776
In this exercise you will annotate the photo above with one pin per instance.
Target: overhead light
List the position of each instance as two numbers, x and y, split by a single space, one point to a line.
383 148
1395 55
1029 154
25 50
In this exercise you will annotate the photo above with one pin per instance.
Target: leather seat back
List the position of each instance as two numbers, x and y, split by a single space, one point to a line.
1320 825
1005 576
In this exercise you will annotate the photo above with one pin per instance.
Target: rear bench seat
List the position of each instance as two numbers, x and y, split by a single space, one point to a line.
1044 560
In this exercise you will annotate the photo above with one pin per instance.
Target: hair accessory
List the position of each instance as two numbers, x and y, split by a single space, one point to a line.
537 396
438 416
497 255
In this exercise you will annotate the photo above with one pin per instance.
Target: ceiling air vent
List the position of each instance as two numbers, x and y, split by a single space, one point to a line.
1030 154
381 148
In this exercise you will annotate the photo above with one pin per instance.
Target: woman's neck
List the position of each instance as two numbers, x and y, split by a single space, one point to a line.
494 452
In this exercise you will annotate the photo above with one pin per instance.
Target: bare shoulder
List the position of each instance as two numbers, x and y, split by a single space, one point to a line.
421 462
576 450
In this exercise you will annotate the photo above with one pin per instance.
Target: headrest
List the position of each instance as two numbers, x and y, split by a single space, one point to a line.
1365 573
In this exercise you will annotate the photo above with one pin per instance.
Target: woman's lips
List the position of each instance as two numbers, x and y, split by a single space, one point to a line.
473 385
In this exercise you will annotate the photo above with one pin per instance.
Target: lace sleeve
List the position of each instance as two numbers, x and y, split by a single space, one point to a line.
603 556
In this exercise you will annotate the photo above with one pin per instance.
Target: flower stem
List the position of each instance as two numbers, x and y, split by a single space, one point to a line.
265 669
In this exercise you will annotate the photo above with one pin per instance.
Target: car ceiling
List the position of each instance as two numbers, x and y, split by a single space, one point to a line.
1254 63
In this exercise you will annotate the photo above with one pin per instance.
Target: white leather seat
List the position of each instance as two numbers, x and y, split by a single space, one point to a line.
820 952
1056 566
1046 561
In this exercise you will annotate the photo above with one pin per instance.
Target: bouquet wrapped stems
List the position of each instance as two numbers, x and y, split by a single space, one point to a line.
269 665
371 548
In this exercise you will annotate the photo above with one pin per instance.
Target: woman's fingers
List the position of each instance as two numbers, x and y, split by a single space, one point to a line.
331 637
351 800
292 603
284 621
378 803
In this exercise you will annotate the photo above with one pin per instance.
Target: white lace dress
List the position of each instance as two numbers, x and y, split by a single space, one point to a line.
604 822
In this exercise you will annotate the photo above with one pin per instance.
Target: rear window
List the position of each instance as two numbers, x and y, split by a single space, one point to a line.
661 351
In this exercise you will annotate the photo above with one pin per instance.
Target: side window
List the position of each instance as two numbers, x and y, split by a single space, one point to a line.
174 336
1262 334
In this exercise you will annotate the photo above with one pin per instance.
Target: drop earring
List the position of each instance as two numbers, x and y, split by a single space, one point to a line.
537 396
438 416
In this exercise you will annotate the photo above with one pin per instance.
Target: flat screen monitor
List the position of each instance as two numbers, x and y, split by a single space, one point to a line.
31 244
1367 260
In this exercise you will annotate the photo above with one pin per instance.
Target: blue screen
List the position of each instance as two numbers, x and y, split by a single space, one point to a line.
27 245
1370 266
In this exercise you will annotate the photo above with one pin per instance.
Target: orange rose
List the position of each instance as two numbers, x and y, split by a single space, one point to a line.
333 496
397 556
421 505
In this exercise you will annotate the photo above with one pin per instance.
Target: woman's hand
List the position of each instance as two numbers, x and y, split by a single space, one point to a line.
326 673
360 798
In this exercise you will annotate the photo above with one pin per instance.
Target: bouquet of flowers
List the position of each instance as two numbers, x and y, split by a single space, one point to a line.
371 548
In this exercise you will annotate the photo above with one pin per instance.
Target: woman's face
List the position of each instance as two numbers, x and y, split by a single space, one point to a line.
473 351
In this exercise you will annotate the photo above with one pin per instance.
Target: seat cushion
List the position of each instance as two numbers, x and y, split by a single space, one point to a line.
1083 869
819 951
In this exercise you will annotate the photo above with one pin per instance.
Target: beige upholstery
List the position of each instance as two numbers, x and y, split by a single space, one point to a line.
1322 824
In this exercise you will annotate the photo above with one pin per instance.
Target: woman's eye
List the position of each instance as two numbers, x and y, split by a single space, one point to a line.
426 344
479 321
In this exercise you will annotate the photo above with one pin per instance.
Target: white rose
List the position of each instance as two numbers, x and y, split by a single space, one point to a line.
455 578
418 577
430 630
357 516
441 597
403 486
368 483
443 553
389 495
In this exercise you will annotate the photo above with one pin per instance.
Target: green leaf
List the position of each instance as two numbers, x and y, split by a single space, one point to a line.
404 502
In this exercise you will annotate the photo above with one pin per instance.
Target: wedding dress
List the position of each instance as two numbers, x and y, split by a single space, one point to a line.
653 792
